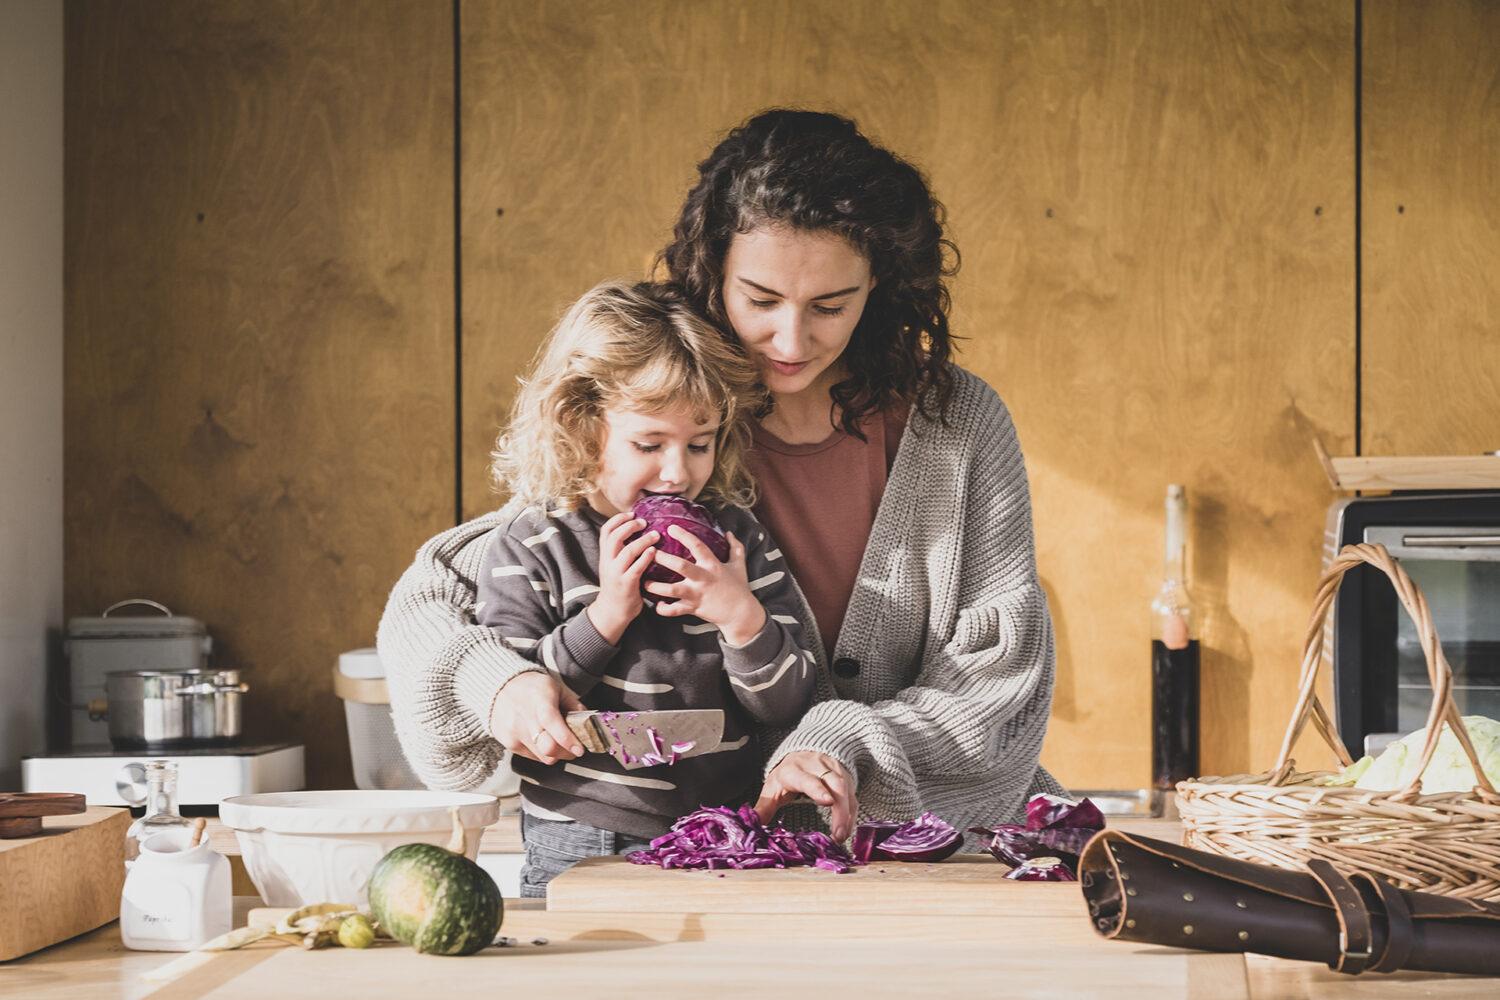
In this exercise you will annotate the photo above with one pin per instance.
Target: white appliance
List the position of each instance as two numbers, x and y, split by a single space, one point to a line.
105 777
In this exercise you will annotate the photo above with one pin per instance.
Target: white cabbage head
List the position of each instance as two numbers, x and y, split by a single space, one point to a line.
1450 770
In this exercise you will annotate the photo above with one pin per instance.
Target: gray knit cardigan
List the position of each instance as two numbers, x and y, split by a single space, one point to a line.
945 658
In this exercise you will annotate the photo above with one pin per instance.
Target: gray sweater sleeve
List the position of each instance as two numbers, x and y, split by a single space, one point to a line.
444 670
520 598
772 675
977 708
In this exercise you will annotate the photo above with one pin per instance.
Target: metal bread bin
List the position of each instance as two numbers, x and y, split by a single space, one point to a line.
97 645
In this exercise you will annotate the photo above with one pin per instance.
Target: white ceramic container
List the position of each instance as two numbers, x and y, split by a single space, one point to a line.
320 847
176 896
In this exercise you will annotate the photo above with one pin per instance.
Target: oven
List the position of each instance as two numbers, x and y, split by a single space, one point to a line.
1449 544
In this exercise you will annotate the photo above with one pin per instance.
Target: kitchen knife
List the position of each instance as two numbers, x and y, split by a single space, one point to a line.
645 739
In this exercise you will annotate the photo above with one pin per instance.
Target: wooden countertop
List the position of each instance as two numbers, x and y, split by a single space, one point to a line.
1037 944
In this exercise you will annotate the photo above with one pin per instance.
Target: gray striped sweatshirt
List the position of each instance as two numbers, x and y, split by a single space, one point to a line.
944 663
539 575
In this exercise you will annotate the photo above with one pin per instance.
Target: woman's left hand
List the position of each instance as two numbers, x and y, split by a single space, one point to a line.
818 777
717 592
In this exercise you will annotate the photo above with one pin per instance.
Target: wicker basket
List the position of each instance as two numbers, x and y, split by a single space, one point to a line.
1447 844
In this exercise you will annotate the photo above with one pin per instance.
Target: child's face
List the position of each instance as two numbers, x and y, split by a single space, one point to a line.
668 451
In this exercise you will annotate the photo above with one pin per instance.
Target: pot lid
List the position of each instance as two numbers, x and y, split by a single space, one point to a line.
226 675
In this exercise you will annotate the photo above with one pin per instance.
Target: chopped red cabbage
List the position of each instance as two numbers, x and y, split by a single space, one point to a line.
660 512
1054 827
868 835
716 837
1044 869
1054 812
659 753
1011 843
926 838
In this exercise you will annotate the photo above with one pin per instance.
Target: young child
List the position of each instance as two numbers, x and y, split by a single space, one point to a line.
632 395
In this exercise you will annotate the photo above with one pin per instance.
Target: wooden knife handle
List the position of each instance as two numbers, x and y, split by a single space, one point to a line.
40 804
582 725
21 813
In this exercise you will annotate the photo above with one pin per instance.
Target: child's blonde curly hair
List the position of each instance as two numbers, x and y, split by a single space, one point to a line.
627 346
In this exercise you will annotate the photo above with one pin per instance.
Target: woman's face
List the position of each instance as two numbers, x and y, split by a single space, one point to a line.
670 451
793 297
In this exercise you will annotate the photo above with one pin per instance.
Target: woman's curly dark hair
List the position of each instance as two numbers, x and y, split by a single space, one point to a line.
816 172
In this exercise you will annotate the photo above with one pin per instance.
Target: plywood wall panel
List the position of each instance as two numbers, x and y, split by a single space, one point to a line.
1162 290
259 346
1431 310
1155 206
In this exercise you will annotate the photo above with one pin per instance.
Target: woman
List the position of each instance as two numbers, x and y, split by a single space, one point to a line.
892 479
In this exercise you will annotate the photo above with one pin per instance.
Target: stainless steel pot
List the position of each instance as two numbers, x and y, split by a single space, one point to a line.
173 707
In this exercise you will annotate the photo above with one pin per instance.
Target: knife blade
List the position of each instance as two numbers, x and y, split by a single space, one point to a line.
646 739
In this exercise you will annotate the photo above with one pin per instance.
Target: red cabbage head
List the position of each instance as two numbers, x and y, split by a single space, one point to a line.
660 512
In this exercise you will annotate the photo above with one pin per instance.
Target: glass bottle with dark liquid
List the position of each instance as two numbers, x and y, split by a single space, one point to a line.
1174 666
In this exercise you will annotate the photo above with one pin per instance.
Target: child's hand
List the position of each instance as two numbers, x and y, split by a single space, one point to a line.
717 592
620 569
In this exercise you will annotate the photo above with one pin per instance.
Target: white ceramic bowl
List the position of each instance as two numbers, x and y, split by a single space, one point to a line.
320 847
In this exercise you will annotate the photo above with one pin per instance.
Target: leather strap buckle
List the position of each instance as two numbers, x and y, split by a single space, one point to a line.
1353 916
1399 933
1347 952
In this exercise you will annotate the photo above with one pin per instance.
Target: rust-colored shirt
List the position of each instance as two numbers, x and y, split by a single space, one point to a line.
819 501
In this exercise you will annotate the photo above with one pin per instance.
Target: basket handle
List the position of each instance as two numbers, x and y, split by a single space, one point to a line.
1439 673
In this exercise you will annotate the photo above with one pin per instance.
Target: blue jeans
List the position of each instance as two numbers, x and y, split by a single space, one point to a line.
553 846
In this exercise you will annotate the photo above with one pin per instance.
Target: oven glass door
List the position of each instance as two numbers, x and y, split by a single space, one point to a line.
1458 570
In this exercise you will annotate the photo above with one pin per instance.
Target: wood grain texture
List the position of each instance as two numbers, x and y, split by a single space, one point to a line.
966 883
1431 309
259 326
1013 957
1422 472
1159 280
61 882
1154 202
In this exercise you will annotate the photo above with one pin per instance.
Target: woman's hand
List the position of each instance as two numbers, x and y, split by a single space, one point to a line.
621 564
526 717
818 777
717 592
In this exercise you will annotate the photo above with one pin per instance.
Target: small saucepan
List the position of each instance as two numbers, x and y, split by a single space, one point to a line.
152 708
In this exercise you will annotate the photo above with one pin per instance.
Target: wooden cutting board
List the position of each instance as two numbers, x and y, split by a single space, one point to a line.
724 956
964 884
62 881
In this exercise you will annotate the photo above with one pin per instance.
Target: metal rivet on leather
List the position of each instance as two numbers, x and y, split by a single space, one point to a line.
1176 865
1241 904
1109 875
1125 876
1244 935
1187 928
1188 896
1130 892
1130 922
